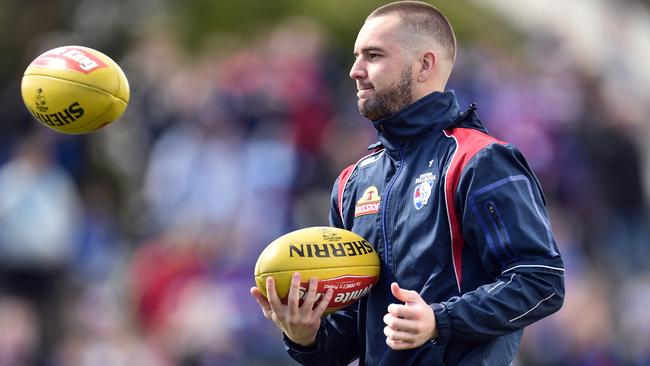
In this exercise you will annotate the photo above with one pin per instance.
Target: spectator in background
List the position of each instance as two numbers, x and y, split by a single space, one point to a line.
183 310
39 223
19 339
619 225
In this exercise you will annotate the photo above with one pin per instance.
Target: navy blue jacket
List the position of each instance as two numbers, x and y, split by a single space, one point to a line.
459 217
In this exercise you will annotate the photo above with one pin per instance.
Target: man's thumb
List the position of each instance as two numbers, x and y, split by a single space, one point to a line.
401 294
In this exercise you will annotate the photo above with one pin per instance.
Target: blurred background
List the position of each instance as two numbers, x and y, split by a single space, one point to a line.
135 245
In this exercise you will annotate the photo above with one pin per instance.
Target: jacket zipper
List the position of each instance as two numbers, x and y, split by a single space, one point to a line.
502 235
388 252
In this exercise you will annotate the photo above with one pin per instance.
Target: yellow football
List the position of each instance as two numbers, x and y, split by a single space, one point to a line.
74 89
339 259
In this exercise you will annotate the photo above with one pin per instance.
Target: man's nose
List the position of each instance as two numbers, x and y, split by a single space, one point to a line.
358 71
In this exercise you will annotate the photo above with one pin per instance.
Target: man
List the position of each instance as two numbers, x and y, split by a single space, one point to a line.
468 257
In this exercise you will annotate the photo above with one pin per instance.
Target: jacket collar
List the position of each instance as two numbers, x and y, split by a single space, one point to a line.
433 112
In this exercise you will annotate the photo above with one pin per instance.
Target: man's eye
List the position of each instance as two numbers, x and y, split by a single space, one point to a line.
373 56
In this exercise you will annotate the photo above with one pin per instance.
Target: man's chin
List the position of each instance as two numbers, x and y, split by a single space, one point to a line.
362 108
370 115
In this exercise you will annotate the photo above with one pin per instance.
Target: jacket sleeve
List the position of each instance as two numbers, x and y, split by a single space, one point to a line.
337 341
504 222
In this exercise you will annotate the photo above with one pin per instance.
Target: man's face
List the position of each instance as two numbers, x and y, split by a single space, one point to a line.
381 69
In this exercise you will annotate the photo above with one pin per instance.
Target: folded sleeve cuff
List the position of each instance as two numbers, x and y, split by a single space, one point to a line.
443 323
302 353
295 347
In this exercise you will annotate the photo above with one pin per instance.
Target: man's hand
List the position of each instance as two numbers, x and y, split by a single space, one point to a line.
409 325
299 323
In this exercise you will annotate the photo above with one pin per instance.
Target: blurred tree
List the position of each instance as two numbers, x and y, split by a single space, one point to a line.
342 18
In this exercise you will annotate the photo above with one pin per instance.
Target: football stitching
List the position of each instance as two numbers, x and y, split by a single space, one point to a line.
76 82
311 269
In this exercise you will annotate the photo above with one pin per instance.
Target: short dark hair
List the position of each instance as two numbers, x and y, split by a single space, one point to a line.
422 18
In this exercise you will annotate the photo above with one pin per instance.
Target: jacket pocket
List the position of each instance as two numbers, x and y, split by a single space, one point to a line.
434 354
429 354
497 224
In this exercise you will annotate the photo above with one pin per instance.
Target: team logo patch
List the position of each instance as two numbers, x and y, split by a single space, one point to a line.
422 191
369 202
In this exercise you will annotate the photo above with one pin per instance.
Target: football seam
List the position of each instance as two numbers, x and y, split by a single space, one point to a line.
317 268
78 83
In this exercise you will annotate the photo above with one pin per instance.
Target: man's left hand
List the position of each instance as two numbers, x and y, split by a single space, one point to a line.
409 325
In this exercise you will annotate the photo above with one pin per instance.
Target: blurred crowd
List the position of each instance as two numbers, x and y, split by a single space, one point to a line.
136 245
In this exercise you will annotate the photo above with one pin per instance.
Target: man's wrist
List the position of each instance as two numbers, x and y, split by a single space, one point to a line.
308 343
434 334
301 346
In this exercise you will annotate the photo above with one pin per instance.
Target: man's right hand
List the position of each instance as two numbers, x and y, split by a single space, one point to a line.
299 323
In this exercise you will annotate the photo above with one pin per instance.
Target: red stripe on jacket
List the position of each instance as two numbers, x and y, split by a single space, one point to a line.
469 142
343 180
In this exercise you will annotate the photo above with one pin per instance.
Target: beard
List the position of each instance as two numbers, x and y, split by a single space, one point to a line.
390 100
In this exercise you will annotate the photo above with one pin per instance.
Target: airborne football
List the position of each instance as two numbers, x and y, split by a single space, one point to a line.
74 89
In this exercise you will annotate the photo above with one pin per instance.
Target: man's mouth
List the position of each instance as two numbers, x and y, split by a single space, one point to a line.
365 91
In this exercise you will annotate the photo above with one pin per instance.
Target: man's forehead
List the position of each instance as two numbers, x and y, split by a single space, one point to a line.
377 31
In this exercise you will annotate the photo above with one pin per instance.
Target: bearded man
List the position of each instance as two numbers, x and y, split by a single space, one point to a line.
467 252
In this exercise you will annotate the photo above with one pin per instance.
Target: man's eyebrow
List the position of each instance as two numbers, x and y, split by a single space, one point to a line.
368 50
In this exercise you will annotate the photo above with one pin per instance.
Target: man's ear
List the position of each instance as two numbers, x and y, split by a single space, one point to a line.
428 64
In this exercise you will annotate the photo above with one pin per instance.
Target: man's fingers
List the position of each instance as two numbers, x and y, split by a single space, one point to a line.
404 295
311 296
324 301
399 339
293 298
272 295
264 303
398 335
405 325
275 305
399 345
401 311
